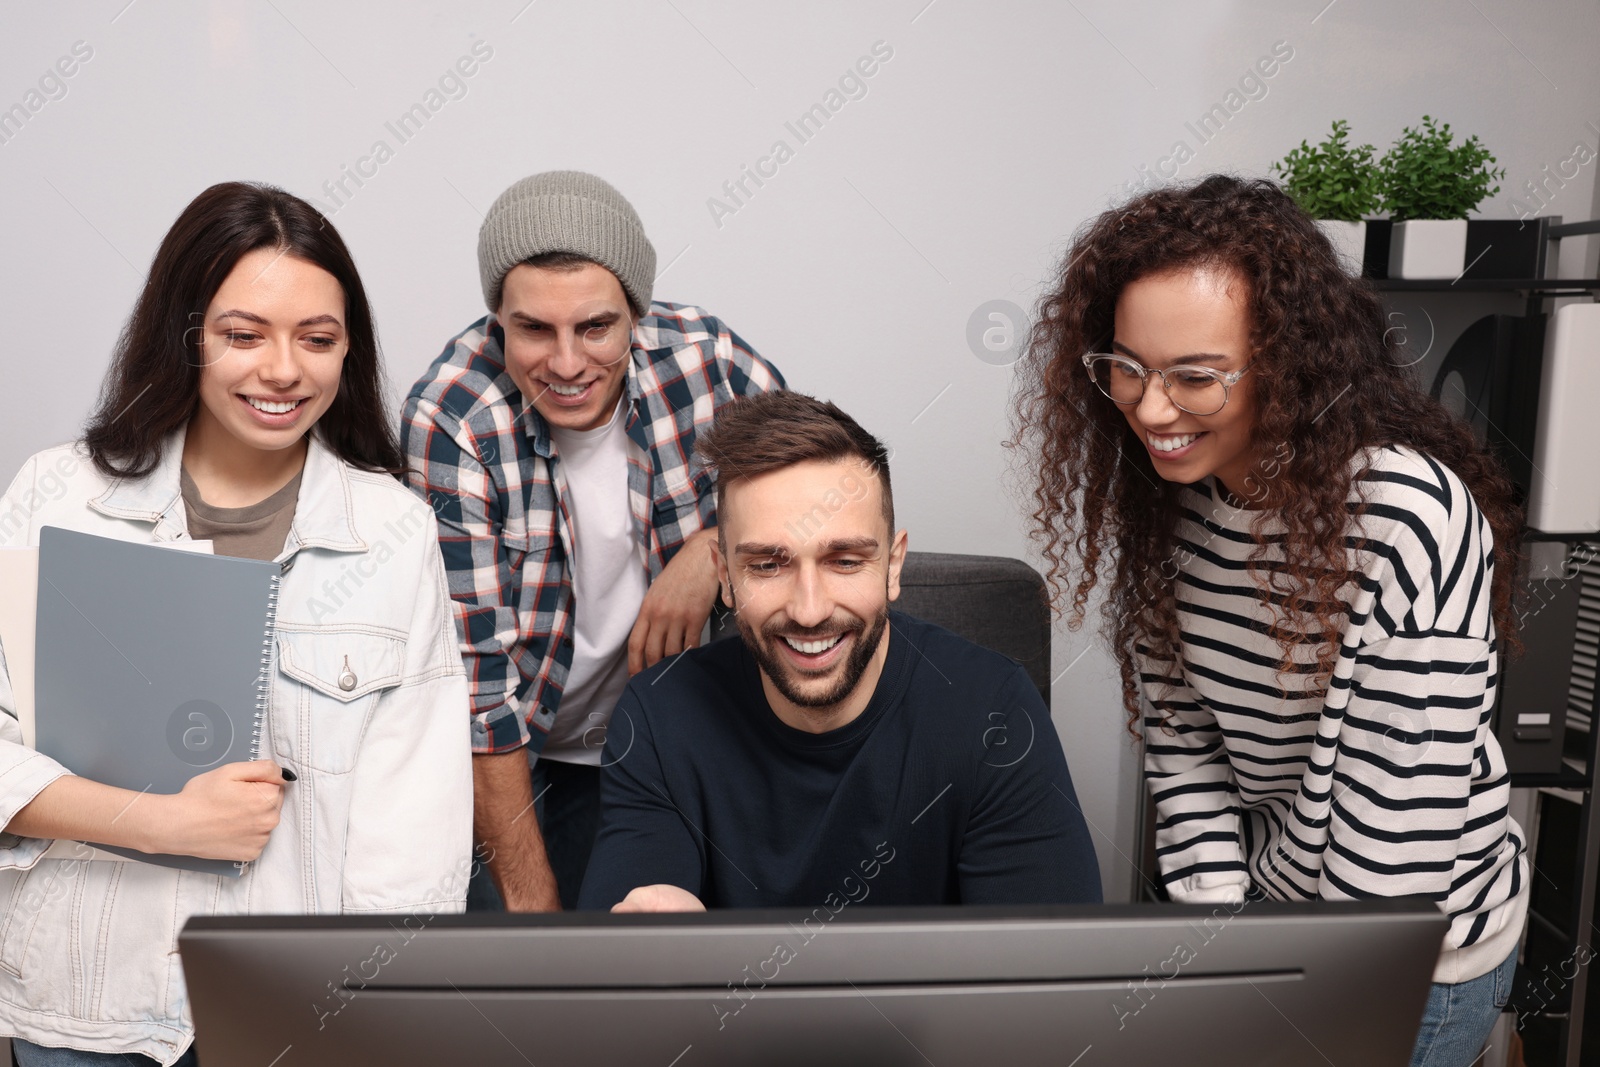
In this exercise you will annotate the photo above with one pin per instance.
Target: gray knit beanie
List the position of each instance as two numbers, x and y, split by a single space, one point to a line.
566 211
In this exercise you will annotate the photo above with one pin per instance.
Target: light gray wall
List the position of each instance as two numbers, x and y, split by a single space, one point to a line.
992 133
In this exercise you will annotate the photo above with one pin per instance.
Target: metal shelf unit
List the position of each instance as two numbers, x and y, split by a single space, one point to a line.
1573 926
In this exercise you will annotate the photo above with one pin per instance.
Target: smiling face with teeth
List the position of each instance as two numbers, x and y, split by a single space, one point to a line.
1192 316
569 332
810 567
272 353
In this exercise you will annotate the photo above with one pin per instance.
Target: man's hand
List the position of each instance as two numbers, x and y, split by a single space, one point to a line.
659 898
677 605
503 820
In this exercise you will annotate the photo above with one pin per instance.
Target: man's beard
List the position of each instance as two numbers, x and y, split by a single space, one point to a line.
779 670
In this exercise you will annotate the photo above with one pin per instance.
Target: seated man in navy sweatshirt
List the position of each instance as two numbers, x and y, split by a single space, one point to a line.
839 751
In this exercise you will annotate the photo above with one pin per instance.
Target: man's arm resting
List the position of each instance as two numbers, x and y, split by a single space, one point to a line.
1026 840
645 854
504 821
677 605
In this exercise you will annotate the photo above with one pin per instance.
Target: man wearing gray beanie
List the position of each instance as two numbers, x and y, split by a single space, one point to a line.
553 438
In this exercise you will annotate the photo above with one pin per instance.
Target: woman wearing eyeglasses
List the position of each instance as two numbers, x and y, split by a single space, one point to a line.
1307 568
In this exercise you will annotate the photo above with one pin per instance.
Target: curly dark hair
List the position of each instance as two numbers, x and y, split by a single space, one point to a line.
1320 354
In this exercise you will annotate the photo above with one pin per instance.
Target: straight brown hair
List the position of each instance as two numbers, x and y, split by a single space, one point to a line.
153 387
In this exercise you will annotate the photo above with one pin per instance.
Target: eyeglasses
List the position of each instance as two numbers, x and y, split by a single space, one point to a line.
1197 390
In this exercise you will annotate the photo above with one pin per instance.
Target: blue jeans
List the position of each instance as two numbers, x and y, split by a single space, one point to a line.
566 801
1458 1018
30 1055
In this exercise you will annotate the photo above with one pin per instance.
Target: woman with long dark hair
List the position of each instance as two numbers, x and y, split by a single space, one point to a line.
244 407
1306 565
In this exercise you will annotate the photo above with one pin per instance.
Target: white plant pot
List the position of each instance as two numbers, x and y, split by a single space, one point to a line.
1428 248
1349 240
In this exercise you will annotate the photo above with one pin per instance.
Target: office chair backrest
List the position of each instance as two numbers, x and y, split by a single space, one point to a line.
992 601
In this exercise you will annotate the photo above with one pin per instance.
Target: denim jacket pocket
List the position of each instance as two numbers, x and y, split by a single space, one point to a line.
329 681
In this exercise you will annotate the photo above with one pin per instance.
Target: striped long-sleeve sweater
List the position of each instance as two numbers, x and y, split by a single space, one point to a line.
1388 782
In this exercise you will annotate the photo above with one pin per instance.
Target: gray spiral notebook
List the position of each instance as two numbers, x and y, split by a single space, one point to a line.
150 666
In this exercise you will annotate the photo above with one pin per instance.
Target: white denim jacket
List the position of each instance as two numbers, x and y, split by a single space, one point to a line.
379 821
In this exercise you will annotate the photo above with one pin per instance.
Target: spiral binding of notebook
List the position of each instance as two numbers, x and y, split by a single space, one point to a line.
264 679
258 727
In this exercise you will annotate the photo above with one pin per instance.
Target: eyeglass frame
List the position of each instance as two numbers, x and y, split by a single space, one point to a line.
1228 379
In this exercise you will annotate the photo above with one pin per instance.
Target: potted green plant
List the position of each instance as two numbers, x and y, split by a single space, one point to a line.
1337 185
1430 184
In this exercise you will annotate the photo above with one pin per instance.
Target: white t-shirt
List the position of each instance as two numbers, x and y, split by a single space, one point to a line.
608 585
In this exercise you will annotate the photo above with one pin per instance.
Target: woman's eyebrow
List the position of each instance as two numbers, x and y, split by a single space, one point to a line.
248 316
1196 357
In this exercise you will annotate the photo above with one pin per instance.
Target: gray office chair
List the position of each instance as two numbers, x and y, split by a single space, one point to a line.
992 601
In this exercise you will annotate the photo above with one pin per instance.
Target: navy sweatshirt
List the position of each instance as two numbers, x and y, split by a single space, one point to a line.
949 788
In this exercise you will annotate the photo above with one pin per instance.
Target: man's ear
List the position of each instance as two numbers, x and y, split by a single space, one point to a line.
897 559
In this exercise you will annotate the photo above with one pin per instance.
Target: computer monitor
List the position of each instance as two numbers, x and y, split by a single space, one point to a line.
1257 984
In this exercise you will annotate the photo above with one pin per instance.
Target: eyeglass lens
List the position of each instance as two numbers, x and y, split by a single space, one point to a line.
1197 390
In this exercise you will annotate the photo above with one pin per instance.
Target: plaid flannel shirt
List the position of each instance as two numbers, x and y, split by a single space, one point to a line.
484 460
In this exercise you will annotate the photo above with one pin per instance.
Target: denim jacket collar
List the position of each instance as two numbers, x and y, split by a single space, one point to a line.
323 515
